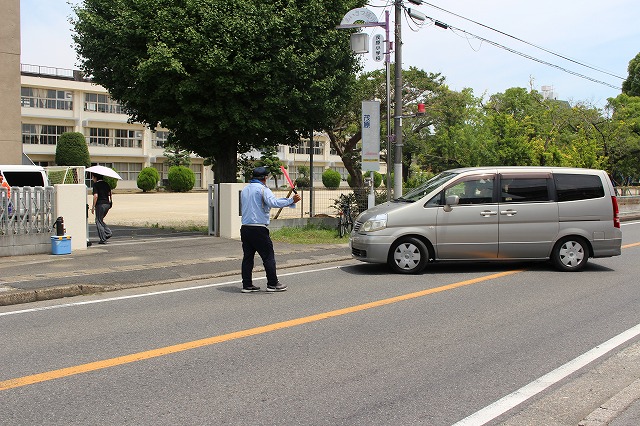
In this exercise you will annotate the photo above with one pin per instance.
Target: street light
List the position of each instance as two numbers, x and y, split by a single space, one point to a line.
366 18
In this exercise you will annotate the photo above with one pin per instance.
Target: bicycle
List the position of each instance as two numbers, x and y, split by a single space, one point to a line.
345 220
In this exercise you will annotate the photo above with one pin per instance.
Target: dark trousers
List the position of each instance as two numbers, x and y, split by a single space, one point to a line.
256 239
104 231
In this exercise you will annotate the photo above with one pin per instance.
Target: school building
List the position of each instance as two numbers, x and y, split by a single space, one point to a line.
54 101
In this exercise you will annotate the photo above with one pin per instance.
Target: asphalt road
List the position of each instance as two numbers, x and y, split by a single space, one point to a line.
348 344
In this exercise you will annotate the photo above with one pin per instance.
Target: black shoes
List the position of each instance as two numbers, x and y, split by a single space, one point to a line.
253 288
102 242
277 287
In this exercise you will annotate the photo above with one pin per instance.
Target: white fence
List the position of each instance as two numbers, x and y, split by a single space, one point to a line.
29 210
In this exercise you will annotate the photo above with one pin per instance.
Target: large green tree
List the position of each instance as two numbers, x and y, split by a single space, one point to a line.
225 76
631 86
622 134
345 133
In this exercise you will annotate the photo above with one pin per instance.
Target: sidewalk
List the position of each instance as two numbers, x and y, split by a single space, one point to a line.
141 258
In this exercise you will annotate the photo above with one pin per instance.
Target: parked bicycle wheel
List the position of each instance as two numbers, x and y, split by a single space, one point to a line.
342 224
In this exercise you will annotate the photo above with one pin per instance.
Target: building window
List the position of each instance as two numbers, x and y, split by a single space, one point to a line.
160 138
128 138
99 137
303 148
101 102
33 97
128 171
42 134
344 173
197 171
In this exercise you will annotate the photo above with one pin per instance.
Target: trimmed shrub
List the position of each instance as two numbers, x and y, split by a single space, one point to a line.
113 182
148 179
377 179
72 150
331 179
181 179
303 180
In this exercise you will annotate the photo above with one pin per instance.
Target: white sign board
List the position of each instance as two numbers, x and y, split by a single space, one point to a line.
378 50
370 135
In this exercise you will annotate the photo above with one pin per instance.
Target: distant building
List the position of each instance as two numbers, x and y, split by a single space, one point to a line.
548 93
54 101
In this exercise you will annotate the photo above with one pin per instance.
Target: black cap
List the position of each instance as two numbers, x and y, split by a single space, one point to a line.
260 172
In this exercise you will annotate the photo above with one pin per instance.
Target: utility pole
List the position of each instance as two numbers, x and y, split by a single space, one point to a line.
397 119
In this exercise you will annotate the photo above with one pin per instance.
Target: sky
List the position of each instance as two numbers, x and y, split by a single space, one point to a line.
604 35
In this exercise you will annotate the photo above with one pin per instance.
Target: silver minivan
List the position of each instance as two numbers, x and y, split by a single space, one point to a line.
565 215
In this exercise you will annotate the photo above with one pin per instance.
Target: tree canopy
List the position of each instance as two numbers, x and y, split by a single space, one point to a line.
225 76
631 86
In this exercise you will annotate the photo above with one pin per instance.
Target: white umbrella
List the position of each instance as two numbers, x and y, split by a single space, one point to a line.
104 171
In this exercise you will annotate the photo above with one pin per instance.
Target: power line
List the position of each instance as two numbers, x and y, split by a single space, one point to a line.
530 44
441 24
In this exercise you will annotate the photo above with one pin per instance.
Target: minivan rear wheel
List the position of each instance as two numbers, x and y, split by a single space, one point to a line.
570 254
408 255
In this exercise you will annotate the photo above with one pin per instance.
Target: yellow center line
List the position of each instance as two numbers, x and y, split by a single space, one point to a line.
630 245
154 353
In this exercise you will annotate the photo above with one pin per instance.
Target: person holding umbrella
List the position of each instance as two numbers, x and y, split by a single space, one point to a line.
256 201
102 202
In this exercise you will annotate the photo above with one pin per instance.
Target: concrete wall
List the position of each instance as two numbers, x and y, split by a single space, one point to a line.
19 245
230 219
71 204
10 128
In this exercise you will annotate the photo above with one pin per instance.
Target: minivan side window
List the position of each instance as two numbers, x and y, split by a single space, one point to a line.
571 187
472 191
524 189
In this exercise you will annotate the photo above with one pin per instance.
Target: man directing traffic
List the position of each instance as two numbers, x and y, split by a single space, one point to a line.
257 200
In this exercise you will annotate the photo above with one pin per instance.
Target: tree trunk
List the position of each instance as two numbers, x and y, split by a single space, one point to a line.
226 167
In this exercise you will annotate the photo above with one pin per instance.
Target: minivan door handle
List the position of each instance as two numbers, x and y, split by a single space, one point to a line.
488 213
509 212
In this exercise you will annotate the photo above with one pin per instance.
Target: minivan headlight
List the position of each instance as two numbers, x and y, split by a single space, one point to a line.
376 223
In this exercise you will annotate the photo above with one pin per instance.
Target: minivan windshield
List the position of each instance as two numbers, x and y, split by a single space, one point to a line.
427 187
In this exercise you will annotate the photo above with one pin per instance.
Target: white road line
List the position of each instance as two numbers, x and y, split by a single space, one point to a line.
510 401
154 293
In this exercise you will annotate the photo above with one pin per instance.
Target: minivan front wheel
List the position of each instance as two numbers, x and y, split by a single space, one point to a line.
570 254
408 256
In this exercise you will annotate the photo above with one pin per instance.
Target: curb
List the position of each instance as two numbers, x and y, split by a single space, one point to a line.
16 297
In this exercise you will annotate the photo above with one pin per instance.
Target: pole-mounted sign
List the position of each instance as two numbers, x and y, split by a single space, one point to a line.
370 135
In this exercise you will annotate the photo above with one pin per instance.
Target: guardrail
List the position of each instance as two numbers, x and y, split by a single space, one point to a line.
29 210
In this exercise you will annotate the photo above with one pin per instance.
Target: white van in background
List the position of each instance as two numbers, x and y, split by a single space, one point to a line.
20 175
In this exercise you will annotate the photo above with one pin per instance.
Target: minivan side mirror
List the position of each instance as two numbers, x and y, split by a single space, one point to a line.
451 200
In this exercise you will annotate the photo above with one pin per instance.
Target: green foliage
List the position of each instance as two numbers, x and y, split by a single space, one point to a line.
175 155
377 180
303 180
269 159
223 76
72 150
331 179
148 179
417 176
181 179
623 138
631 86
112 182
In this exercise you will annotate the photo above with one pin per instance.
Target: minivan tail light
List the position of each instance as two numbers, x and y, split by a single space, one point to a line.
616 212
